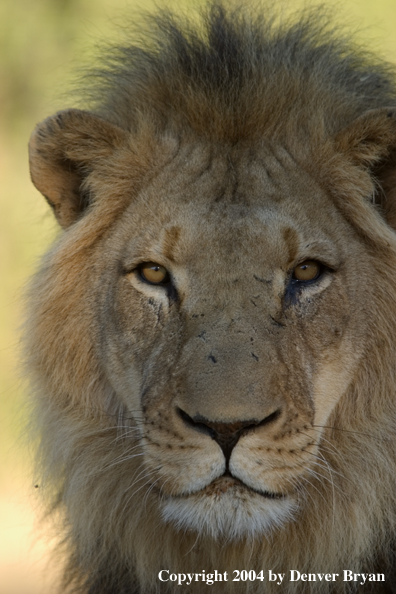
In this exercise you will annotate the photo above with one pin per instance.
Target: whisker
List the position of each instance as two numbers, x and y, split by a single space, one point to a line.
323 439
145 498
326 462
141 487
321 477
139 476
333 490
119 460
313 487
193 545
355 432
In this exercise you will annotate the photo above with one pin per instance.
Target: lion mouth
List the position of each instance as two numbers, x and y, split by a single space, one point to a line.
228 482
228 507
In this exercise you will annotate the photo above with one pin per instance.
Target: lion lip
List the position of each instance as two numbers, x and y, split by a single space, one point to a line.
220 486
225 483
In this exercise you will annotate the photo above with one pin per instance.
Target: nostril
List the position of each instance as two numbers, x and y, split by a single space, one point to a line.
270 418
198 426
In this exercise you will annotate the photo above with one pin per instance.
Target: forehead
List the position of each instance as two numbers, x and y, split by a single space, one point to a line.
232 199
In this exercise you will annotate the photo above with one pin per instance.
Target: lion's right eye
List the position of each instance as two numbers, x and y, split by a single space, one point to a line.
307 271
153 273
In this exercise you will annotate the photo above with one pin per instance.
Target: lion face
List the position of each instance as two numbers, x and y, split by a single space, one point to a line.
230 365
211 339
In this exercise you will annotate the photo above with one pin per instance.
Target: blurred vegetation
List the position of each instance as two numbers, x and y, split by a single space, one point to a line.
42 42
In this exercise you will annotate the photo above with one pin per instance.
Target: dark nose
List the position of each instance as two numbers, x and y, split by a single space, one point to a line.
226 434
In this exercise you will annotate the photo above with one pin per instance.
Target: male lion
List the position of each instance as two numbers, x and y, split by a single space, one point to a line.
212 337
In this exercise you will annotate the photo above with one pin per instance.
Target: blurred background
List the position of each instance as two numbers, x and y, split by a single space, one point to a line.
42 43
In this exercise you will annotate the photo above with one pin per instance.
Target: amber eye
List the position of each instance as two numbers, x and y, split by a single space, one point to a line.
154 273
307 271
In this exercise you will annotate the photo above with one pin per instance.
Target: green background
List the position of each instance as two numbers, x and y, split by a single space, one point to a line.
42 43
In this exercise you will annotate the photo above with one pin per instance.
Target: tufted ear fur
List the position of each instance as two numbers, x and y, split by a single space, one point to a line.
370 143
63 150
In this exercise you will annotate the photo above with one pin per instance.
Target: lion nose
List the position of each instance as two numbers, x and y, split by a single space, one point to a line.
226 434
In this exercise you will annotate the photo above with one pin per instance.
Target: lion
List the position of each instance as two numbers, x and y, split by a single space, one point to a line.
211 338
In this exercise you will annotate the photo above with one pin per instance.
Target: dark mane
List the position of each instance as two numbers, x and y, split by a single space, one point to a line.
237 76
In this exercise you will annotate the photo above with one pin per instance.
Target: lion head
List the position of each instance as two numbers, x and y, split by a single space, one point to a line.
211 338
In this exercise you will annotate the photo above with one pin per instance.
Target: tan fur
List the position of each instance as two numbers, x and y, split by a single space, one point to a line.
228 160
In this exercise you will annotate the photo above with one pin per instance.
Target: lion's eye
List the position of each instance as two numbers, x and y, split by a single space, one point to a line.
154 273
308 270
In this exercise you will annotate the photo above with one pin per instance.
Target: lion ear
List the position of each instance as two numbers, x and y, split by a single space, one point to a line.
370 138
63 150
370 143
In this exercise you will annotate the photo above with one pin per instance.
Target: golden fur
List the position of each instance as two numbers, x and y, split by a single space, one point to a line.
234 418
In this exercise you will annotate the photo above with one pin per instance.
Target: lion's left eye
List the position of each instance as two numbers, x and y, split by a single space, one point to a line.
153 273
308 270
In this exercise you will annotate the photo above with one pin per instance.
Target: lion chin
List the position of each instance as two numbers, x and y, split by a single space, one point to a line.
228 509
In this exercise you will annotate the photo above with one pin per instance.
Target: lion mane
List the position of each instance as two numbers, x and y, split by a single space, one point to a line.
211 338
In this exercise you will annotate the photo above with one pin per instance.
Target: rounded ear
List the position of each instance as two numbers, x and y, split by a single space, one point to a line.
370 142
370 138
63 150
